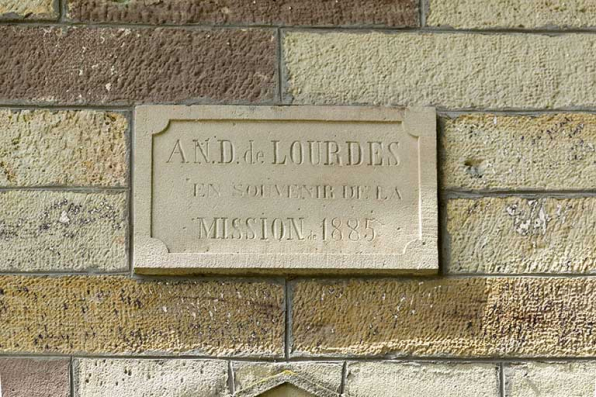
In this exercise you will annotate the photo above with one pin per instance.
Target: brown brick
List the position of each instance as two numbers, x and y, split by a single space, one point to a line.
394 13
26 377
123 66
101 315
456 317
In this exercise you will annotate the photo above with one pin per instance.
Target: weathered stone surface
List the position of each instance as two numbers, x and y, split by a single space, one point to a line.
456 317
515 14
82 65
554 151
30 377
327 375
455 71
150 378
74 148
422 380
518 235
394 13
548 379
118 315
63 231
29 9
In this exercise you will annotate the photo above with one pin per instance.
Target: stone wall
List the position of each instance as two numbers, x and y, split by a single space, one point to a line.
513 311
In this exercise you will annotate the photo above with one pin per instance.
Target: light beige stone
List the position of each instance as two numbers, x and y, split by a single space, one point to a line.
514 14
150 378
550 379
373 379
62 148
328 375
553 151
455 71
29 9
519 235
221 188
63 231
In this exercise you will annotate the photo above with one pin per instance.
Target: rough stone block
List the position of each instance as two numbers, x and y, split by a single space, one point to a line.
101 65
519 235
34 377
29 9
63 231
62 148
454 71
118 315
550 379
554 152
393 13
453 317
512 14
150 378
373 379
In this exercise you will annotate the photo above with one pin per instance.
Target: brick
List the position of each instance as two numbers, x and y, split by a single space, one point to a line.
519 235
327 375
118 315
30 377
29 9
456 71
150 378
550 379
452 317
512 14
62 148
422 380
63 231
391 13
548 152
101 65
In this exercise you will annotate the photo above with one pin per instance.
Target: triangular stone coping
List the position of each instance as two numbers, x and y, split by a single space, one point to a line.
285 377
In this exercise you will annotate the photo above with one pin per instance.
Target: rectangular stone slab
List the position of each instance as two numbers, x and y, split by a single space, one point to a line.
284 189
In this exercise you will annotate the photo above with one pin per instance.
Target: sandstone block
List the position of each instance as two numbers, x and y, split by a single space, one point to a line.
550 379
29 9
62 148
519 235
101 65
422 380
150 378
33 377
118 315
455 71
63 231
554 152
453 317
512 14
394 13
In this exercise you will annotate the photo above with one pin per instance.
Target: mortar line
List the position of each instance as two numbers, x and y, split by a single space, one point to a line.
231 382
66 188
422 13
279 66
344 375
501 380
131 192
525 193
62 11
71 375
47 106
66 273
287 319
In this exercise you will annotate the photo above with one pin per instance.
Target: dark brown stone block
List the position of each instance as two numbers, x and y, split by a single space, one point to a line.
27 377
124 66
394 13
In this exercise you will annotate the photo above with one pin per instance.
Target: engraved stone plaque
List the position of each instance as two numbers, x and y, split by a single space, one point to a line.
285 189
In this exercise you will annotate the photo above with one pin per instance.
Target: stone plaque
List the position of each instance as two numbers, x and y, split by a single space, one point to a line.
290 189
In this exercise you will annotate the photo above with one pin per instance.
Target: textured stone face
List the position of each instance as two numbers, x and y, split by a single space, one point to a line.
29 377
122 66
475 14
63 231
100 315
327 375
556 152
517 235
422 380
150 378
550 379
70 148
29 9
394 13
446 70
463 317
